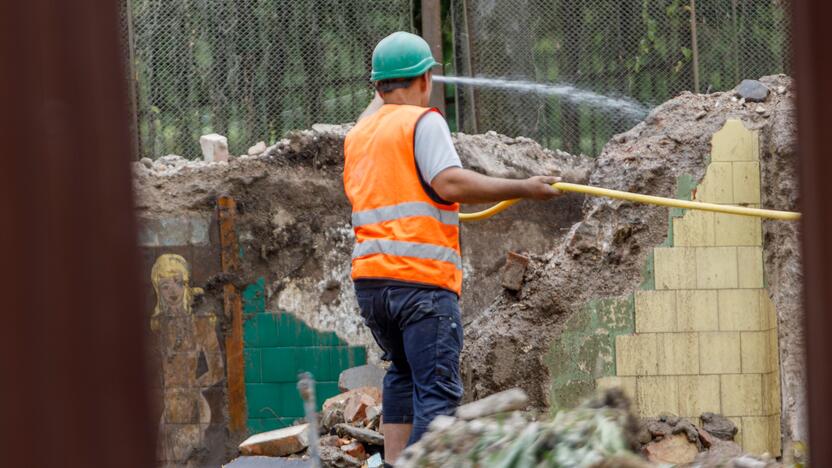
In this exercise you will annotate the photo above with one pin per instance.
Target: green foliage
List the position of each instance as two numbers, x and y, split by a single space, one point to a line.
637 48
253 69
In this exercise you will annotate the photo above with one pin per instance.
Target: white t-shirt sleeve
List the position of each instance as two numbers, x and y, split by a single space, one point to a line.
433 146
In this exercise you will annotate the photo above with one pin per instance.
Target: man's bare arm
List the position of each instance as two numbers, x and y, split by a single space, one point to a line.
463 186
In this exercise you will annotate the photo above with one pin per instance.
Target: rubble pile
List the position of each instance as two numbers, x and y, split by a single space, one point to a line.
350 429
595 433
599 433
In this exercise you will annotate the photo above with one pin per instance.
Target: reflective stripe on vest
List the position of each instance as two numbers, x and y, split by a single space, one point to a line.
407 249
404 210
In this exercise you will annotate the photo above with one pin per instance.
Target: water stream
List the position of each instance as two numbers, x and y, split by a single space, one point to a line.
570 93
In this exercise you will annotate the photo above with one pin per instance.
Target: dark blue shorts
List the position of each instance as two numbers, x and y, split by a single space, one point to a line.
420 331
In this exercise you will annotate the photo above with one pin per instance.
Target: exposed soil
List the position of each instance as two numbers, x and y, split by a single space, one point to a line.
604 253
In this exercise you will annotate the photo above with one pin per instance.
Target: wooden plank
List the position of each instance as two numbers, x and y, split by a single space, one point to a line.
230 257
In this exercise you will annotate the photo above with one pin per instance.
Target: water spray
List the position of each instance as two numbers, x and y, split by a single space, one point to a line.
569 93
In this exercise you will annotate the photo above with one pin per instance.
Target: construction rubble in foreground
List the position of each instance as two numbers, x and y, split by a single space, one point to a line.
530 273
499 431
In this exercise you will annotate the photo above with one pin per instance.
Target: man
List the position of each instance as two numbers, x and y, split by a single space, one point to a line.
405 182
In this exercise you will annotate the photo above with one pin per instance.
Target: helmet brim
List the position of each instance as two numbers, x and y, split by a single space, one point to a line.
416 70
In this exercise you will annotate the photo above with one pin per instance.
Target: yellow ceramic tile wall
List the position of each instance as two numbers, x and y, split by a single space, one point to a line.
706 338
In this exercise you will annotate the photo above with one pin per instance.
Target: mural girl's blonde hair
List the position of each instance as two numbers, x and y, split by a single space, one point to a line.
167 266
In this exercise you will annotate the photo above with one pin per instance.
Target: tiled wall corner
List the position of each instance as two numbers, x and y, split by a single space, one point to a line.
705 329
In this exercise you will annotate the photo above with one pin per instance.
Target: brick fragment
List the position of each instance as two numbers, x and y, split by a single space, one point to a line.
277 443
514 270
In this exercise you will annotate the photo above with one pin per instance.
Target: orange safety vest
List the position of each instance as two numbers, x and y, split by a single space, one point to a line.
401 233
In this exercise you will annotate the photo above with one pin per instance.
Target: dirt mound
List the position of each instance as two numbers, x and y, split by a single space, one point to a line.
603 254
294 220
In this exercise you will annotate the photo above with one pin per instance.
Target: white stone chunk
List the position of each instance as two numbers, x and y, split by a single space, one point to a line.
214 147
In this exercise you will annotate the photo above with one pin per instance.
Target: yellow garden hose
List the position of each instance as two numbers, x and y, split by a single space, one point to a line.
639 198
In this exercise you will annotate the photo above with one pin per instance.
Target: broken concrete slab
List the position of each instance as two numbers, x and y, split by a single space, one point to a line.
341 398
355 449
675 449
719 426
336 458
266 462
752 91
361 376
514 270
258 148
356 406
441 423
510 400
277 443
361 434
214 147
375 461
718 453
332 417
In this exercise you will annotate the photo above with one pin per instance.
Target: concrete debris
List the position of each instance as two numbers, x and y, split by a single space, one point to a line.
718 452
277 443
441 422
582 437
360 407
375 461
258 149
513 271
146 162
332 441
214 147
361 434
355 449
361 376
332 417
510 400
719 426
676 449
752 91
332 457
355 408
342 398
267 462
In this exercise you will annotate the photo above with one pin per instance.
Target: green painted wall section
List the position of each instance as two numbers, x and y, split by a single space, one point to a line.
277 347
585 350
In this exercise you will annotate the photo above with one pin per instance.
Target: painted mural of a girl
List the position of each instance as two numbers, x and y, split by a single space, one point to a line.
191 357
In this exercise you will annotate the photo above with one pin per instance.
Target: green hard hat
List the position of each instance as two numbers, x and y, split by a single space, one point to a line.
401 55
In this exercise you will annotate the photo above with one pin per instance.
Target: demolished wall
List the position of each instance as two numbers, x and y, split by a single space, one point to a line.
292 226
587 254
604 257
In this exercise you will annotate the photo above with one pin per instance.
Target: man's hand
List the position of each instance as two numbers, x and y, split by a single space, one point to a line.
540 187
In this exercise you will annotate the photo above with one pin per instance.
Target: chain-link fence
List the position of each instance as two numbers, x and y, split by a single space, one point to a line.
253 69
250 69
646 50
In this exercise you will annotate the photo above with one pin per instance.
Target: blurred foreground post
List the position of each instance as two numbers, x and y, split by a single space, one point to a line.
813 71
74 389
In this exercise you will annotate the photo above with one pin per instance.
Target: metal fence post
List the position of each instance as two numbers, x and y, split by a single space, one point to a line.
694 45
432 32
